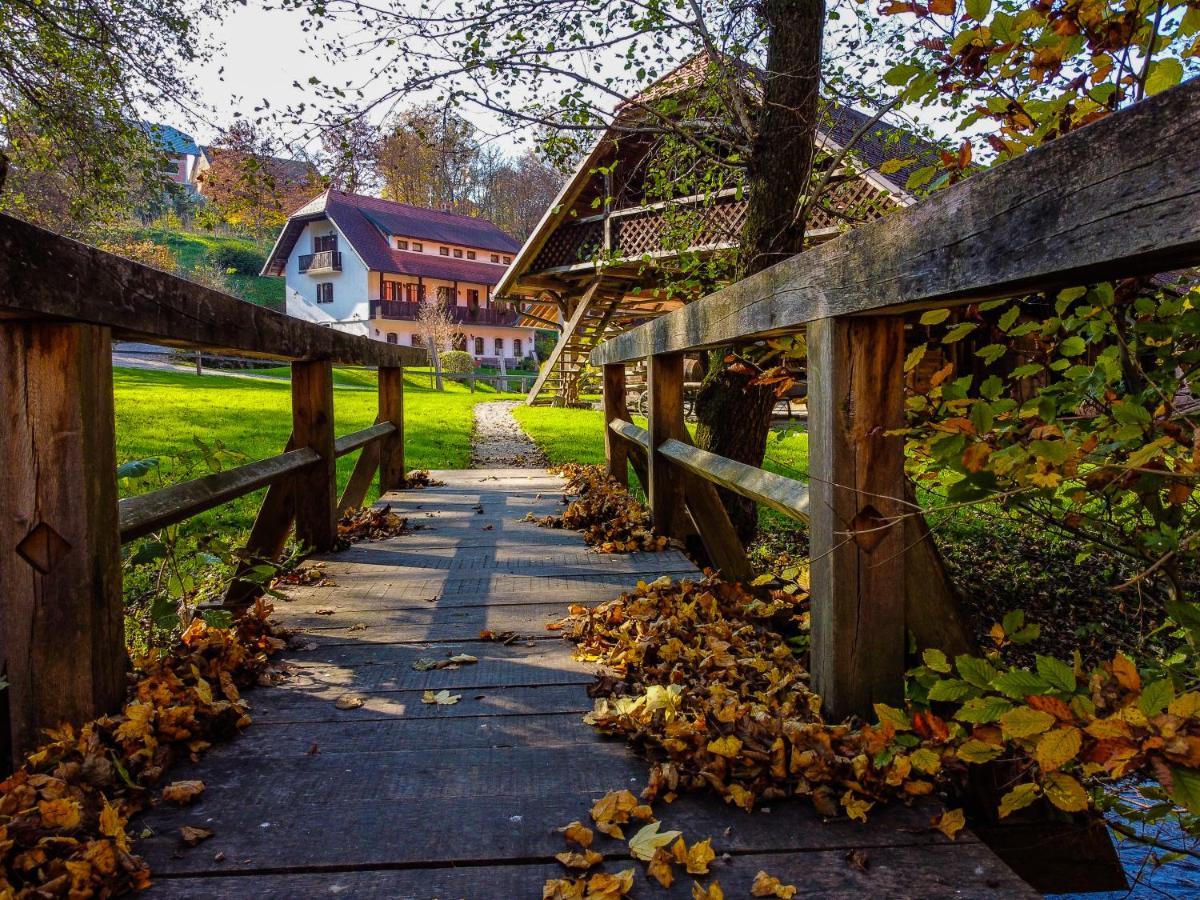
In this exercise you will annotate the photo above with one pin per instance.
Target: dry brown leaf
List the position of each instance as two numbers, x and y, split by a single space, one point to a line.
194 834
183 792
578 833
579 859
350 701
660 868
769 886
711 892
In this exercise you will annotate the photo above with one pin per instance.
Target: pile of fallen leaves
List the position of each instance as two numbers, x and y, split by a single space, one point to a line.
420 478
63 815
716 699
371 523
611 520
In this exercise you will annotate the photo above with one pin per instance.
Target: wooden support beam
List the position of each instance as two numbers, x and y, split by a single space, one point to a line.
665 384
360 479
62 637
312 426
856 467
616 453
391 448
564 339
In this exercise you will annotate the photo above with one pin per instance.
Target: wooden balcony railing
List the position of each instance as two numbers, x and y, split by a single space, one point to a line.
408 311
324 261
1113 200
61 524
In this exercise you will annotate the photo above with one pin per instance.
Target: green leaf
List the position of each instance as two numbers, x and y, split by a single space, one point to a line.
1020 683
914 357
1164 73
885 713
1018 798
992 387
949 689
1155 697
1025 721
974 670
762 579
1185 788
959 331
1013 619
1057 673
935 659
935 316
979 9
991 352
900 75
1072 346
920 177
981 710
974 751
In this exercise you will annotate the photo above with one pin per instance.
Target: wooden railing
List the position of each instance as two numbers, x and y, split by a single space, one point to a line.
1116 199
62 647
321 261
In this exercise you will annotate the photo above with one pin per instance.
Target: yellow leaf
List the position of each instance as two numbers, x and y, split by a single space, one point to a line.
579 833
604 886
951 822
856 807
660 868
1018 798
712 892
440 698
183 792
725 746
1186 706
648 839
1065 792
579 859
974 751
925 760
61 813
769 886
1058 747
1024 722
1108 728
1126 673
112 825
699 855
563 889
613 810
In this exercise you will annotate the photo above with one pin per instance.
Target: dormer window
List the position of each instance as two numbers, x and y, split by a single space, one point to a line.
445 251
470 254
495 257
418 247
507 260
401 245
457 254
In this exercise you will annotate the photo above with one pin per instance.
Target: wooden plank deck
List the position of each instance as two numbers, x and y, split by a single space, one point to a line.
403 799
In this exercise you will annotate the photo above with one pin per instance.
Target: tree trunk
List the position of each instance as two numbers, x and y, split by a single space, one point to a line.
435 357
734 416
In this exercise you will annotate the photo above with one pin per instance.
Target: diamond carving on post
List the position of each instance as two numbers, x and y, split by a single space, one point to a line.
43 547
869 527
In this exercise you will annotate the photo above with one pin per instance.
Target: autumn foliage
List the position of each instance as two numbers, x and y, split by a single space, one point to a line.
64 814
611 520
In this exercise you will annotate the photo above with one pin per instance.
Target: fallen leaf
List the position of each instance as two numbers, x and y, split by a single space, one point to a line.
61 813
441 698
578 833
183 792
563 889
950 822
323 612
604 886
699 855
769 886
194 834
613 810
858 859
712 892
579 859
725 746
648 839
660 868
463 659
349 701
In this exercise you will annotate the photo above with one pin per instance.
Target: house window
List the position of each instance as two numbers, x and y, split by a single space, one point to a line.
517 347
324 242
507 260
392 339
495 257
445 294
416 341
325 292
479 346
470 254
418 247
457 253
401 245
472 298
499 346
445 251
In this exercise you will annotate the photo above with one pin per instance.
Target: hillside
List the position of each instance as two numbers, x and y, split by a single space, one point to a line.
245 255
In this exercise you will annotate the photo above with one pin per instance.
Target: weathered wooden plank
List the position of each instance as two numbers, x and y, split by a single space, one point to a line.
1118 198
785 495
616 453
527 560
146 513
46 274
312 427
932 872
268 536
856 465
62 641
665 495
351 442
631 432
360 479
391 409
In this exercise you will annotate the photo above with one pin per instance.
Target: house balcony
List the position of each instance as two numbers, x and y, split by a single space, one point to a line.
325 261
462 315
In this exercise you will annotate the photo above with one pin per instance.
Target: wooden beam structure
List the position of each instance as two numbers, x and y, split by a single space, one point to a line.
616 454
391 409
312 427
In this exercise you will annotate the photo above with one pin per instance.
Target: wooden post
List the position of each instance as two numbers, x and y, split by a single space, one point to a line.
856 396
312 426
391 448
665 384
62 640
615 453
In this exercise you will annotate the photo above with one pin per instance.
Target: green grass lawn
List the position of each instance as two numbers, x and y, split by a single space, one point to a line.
159 414
194 250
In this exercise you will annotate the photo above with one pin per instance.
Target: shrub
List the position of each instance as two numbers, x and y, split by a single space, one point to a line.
241 260
457 361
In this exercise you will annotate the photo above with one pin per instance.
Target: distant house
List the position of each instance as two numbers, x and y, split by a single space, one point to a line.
365 265
285 175
180 149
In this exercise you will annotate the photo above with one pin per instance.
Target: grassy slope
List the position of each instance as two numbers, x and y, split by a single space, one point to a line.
194 250
159 413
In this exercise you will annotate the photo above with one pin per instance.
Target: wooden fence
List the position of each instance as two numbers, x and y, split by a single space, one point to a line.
1116 199
62 643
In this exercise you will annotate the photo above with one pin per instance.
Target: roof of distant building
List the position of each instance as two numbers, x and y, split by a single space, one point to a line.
369 222
171 139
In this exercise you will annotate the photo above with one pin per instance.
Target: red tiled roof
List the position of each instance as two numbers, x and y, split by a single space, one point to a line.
365 222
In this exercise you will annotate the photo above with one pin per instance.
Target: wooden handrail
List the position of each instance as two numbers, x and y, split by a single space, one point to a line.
43 274
631 433
147 513
1118 198
351 442
783 494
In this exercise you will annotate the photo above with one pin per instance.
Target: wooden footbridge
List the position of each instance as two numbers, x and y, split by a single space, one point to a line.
348 783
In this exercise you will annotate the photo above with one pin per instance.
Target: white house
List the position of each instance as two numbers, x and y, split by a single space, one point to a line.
364 265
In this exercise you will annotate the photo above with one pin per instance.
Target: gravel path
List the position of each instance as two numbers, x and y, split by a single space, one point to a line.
499 442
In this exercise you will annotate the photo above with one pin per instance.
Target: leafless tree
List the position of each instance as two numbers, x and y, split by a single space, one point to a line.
439 332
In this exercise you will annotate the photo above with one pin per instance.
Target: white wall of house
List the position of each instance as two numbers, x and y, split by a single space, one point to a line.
351 286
